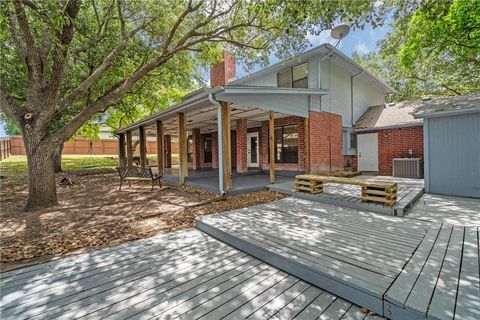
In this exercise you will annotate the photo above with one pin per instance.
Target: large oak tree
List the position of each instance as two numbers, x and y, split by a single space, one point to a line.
64 61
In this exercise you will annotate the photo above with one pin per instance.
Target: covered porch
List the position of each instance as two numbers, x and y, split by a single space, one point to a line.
230 139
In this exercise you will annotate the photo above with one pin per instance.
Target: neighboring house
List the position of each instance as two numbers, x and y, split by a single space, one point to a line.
314 98
451 128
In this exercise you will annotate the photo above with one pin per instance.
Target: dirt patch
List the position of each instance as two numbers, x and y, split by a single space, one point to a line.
93 213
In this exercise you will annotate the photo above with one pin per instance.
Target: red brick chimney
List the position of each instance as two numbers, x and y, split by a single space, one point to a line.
224 71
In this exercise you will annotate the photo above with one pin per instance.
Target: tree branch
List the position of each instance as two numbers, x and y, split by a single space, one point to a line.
10 106
82 89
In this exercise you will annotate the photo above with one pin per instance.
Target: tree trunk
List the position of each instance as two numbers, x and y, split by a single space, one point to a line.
42 188
58 158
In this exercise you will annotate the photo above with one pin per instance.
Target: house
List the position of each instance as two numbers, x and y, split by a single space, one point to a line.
451 130
293 116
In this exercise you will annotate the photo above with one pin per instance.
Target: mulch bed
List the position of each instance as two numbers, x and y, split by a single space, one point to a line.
92 213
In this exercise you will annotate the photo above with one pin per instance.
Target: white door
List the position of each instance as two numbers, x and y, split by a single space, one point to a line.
252 149
367 152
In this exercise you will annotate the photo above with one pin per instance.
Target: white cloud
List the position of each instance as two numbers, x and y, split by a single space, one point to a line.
361 48
323 37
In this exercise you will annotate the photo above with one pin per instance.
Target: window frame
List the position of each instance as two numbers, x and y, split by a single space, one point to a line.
282 152
290 72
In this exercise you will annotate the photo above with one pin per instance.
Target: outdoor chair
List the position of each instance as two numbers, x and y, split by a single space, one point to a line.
135 173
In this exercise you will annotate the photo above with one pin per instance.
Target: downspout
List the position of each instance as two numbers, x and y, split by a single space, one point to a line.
351 93
211 98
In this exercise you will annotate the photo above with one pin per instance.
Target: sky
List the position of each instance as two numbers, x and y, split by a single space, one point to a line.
362 41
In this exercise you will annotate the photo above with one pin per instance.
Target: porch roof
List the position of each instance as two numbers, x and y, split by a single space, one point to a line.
246 100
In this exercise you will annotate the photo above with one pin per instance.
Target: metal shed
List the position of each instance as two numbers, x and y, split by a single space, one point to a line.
452 150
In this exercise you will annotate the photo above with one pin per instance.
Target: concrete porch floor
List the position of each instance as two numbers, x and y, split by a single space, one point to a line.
253 180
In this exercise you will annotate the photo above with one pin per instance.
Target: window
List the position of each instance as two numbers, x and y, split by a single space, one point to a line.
189 148
300 76
349 141
207 148
284 79
353 140
296 77
286 144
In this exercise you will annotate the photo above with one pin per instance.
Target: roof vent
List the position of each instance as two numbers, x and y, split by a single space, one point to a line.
426 98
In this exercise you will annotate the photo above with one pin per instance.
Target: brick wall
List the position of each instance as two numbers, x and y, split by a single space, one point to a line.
215 150
241 146
394 143
223 71
196 149
326 142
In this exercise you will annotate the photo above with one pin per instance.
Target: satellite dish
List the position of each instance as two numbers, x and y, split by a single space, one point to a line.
340 31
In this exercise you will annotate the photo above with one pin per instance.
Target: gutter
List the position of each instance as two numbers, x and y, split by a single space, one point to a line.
397 126
443 113
211 98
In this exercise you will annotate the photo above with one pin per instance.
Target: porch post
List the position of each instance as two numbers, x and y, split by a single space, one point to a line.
306 148
143 147
160 148
226 147
242 166
121 150
168 151
129 149
196 149
182 141
271 142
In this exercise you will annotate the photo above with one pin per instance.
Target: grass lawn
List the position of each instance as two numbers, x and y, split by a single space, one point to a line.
18 164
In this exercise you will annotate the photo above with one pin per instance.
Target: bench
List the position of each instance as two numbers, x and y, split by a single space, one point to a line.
372 191
135 173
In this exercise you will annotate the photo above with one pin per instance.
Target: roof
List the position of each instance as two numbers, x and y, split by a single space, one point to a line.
200 96
323 49
447 106
410 113
386 116
237 94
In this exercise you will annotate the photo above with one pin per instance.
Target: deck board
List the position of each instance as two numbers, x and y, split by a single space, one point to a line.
185 275
441 281
318 242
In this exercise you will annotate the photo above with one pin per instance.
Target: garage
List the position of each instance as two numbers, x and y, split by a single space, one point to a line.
452 146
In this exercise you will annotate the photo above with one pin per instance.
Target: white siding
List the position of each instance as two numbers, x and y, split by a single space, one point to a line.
327 74
364 96
268 80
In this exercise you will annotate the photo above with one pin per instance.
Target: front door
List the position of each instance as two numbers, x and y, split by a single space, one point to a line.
252 149
367 152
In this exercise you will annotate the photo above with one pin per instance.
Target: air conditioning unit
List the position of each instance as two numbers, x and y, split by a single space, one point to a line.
407 167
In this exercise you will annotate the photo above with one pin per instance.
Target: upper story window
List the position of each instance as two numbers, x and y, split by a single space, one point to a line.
296 77
300 76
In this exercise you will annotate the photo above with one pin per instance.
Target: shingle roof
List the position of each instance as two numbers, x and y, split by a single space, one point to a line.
452 103
402 113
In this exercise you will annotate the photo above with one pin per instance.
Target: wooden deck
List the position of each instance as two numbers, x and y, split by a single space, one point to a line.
452 210
184 275
441 281
361 256
409 190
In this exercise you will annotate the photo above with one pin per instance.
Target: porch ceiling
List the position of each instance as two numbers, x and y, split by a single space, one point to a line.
205 119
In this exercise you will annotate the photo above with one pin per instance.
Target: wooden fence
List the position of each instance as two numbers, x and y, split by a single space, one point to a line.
82 146
5 148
